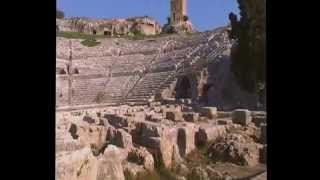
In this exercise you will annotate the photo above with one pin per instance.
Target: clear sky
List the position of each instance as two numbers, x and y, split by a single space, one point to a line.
204 14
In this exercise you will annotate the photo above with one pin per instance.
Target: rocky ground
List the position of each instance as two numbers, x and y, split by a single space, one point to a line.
173 141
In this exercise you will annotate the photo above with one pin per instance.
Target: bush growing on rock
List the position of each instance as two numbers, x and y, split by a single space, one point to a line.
59 14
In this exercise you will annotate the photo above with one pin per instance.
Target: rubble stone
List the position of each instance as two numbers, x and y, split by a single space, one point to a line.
191 116
241 116
174 115
123 139
210 112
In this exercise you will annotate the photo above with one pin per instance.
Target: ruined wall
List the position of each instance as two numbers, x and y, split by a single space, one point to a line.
146 25
147 29
62 90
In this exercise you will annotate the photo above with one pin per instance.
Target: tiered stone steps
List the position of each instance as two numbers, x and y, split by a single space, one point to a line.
148 86
86 90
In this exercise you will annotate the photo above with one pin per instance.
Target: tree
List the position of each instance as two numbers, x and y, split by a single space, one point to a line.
168 20
185 18
248 56
60 14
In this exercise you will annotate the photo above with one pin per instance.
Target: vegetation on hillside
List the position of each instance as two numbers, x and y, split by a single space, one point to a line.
185 18
90 42
59 14
248 56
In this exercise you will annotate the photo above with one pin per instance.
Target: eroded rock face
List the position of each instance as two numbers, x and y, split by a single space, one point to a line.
209 112
142 157
109 165
186 139
236 149
118 121
135 145
209 134
174 115
123 139
199 173
78 165
241 116
89 134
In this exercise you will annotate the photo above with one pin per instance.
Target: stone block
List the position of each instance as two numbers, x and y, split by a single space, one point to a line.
211 133
123 139
186 139
174 115
241 116
140 116
191 116
210 112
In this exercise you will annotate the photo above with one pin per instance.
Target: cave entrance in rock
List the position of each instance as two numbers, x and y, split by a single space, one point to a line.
183 88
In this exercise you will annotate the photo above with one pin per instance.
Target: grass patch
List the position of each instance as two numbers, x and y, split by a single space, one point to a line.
91 42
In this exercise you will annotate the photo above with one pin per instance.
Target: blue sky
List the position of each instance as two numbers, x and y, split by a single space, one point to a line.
204 14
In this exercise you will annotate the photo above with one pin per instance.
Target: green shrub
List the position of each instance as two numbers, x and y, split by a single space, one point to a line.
248 57
91 42
59 14
185 18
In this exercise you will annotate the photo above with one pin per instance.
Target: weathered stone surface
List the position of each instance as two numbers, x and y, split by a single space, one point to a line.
68 145
118 121
111 133
236 149
142 157
199 173
90 134
78 165
191 116
210 112
241 116
176 158
182 169
223 114
89 119
123 139
147 129
132 169
174 115
214 174
186 139
109 166
209 134
140 116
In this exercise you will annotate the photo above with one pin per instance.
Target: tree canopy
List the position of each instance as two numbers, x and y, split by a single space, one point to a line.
248 55
60 14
